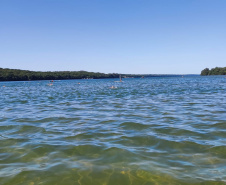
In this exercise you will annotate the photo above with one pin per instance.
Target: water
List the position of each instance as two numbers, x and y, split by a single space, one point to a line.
146 131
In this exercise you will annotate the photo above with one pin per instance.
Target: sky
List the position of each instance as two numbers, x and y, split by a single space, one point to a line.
113 36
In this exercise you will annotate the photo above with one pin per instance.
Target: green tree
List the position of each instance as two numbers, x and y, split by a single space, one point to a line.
205 72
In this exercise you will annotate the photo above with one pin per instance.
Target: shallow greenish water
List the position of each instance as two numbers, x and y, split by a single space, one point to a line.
146 131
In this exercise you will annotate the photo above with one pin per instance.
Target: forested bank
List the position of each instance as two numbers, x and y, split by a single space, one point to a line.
25 75
214 71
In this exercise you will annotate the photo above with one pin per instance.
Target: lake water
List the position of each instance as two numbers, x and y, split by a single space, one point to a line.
151 131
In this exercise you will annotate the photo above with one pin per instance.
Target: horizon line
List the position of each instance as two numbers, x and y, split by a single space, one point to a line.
105 72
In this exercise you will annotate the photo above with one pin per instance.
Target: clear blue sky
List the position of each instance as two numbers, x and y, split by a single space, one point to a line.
122 36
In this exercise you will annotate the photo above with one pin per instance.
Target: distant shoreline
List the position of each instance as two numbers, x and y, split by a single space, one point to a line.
26 75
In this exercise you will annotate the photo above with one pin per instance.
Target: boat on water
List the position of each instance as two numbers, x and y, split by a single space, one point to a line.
120 79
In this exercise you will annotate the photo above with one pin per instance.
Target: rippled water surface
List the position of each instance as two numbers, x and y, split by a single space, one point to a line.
144 132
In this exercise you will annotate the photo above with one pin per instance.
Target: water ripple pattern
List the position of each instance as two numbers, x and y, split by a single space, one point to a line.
146 131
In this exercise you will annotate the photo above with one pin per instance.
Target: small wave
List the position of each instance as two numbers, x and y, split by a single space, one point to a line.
134 126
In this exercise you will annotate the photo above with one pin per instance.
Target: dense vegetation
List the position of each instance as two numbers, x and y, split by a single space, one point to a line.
214 71
24 75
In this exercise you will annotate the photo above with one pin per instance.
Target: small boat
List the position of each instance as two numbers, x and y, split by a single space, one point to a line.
120 79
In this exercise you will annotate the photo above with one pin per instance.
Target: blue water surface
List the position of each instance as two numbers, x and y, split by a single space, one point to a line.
160 130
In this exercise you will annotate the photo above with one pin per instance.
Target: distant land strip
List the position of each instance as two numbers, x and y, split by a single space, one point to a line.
214 71
26 75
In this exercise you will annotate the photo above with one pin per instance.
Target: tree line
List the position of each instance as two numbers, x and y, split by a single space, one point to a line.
214 71
25 75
